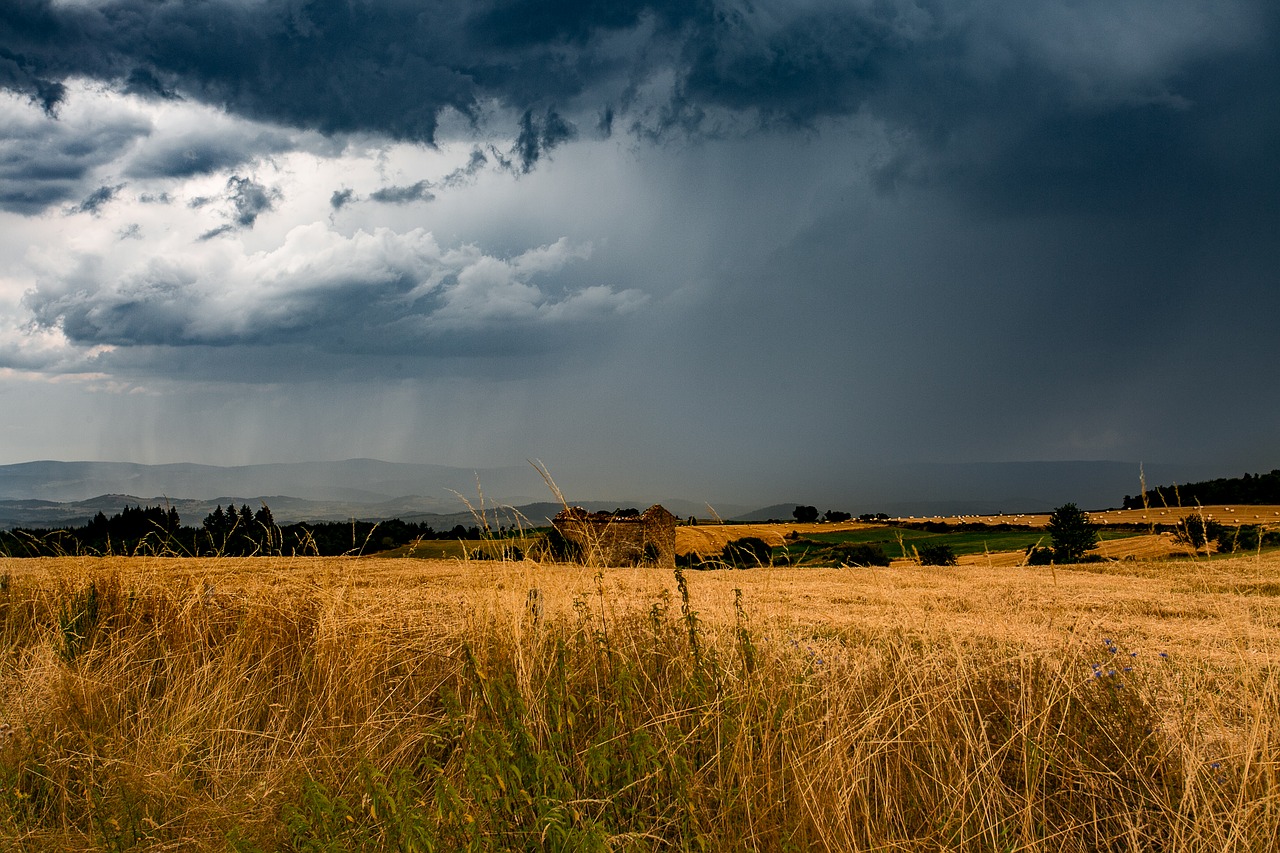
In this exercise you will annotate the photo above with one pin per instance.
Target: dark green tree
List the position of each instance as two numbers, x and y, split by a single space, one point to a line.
265 531
1072 533
805 514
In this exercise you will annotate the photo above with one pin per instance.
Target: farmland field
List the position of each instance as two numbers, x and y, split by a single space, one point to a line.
986 540
334 704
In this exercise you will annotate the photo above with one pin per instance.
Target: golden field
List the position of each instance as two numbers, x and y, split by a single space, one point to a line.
334 704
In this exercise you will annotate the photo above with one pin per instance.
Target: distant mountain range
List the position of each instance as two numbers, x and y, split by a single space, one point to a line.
50 493
353 481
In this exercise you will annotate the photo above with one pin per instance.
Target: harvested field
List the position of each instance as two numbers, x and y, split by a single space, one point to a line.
711 538
1234 515
708 540
308 704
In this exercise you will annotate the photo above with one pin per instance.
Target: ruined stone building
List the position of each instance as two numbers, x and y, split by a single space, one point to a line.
620 539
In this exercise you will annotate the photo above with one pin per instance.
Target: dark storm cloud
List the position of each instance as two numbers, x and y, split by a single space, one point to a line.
538 136
203 152
341 198
97 199
248 200
144 83
16 76
994 98
463 174
515 24
421 191
43 164
329 64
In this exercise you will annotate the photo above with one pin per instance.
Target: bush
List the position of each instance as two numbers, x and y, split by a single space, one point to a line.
936 554
1039 556
1195 530
747 553
861 554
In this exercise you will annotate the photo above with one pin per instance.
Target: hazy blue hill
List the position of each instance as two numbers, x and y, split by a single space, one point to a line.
47 492
350 481
780 512
974 488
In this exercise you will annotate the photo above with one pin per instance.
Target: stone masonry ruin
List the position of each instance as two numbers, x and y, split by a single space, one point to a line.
620 538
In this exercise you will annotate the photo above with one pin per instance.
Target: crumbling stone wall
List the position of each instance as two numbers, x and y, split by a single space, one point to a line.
612 539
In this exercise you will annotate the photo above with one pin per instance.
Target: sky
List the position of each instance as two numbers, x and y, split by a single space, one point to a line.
712 248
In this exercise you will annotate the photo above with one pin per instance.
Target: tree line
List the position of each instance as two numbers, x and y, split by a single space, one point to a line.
230 532
1249 489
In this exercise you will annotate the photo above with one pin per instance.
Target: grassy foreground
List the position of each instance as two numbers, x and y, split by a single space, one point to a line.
340 704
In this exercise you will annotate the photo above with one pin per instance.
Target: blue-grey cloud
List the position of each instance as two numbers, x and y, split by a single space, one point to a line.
144 83
376 293
420 191
16 75
538 136
463 174
203 152
248 200
341 198
43 164
97 199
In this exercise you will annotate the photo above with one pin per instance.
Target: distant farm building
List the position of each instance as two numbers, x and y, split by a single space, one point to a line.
619 538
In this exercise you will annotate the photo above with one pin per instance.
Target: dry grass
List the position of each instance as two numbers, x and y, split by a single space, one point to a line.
332 704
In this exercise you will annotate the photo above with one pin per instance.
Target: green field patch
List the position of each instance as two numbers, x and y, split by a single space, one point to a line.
899 542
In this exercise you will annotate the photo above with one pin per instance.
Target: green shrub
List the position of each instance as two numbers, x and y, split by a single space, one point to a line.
1196 530
861 554
936 554
748 552
1037 556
